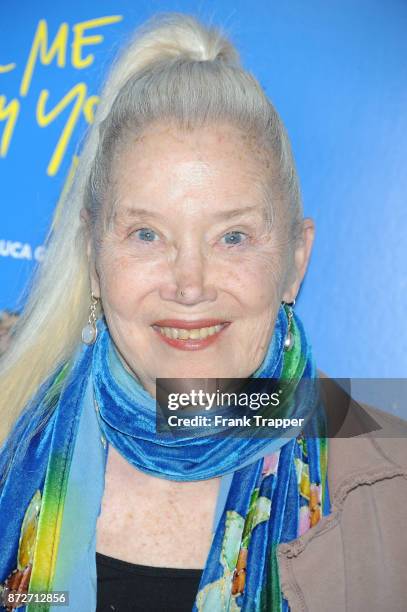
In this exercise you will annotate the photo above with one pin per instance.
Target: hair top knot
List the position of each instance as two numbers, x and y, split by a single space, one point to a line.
171 36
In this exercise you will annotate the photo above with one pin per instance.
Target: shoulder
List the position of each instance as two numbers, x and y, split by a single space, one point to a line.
366 445
391 439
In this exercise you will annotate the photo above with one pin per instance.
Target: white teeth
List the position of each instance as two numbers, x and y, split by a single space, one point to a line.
190 334
194 334
214 330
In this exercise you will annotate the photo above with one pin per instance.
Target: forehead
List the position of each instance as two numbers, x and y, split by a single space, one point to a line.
209 167
221 138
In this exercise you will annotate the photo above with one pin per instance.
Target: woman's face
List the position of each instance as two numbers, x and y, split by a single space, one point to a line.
189 273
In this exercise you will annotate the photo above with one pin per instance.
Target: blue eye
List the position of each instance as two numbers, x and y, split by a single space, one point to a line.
232 238
146 234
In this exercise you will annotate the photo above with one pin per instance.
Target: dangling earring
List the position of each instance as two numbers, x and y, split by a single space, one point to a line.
289 339
90 332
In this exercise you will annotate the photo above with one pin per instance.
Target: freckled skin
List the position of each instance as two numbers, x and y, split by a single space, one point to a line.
187 178
158 530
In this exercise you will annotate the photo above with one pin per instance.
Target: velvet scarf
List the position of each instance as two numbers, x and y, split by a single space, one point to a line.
278 486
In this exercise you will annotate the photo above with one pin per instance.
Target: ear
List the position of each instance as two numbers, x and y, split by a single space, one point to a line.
301 258
90 252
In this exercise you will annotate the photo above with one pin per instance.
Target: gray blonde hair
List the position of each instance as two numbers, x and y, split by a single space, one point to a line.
175 68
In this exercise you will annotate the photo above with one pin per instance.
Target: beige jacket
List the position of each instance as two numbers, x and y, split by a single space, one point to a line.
355 559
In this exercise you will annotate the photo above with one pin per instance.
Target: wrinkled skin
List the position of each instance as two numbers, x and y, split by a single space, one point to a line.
184 181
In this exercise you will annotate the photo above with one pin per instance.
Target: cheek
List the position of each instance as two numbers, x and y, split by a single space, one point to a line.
257 281
125 282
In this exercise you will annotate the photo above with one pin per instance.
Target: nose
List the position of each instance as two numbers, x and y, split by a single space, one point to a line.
189 278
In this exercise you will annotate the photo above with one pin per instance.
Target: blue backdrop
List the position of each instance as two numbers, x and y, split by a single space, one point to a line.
335 70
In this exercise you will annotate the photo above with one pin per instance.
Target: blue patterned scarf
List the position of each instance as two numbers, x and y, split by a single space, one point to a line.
278 486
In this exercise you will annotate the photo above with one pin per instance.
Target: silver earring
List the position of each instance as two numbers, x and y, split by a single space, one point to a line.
289 339
90 332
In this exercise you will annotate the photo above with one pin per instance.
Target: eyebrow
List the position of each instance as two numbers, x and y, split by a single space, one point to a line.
136 212
239 212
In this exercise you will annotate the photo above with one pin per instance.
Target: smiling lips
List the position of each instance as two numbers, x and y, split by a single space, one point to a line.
189 335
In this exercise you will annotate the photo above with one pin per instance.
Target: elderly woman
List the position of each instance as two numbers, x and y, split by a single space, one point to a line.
183 236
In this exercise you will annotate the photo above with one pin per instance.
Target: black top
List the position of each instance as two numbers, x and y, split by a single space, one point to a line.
126 587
